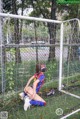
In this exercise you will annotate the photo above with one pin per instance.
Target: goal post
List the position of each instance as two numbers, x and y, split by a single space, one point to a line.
69 56
61 54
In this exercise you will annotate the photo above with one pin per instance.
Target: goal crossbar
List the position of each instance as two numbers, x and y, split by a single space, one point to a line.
29 18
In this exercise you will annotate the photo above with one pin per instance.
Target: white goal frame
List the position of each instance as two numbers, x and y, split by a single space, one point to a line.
61 47
61 59
60 69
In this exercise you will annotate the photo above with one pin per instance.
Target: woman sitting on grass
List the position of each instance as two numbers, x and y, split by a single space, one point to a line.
30 93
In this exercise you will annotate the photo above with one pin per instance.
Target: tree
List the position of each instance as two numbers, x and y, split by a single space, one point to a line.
72 11
46 9
12 6
52 31
7 5
16 32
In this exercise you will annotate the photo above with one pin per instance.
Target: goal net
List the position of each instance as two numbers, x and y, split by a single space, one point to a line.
69 77
71 57
26 41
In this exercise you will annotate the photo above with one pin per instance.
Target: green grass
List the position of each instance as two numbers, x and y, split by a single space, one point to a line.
67 103
14 105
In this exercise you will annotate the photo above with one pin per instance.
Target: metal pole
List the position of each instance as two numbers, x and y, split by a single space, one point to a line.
61 54
36 42
1 51
65 117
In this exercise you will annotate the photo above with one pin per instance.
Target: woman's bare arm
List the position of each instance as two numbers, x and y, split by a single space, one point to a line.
34 88
29 81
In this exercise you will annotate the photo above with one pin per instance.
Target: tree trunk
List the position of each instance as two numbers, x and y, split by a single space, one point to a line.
21 21
16 33
52 31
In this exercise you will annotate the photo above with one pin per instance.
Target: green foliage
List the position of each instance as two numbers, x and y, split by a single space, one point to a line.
10 72
41 8
41 30
14 106
71 68
52 70
7 5
69 11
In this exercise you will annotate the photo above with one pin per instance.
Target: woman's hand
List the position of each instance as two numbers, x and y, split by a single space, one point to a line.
33 95
26 89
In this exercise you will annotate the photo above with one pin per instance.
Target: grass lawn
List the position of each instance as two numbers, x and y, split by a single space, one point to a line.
14 106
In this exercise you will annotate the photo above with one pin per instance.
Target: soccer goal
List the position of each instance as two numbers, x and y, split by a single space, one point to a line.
37 40
70 57
69 72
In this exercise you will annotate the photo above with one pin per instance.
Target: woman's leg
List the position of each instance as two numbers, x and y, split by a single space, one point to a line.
37 101
29 91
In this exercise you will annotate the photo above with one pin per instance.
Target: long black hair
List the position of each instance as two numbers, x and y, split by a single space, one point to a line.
38 68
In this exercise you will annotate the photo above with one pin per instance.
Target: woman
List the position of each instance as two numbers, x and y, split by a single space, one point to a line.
31 92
